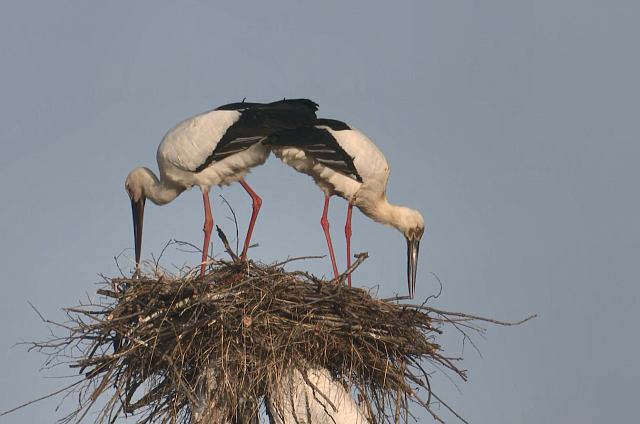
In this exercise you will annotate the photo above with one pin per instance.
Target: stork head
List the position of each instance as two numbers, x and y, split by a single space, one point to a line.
136 183
412 226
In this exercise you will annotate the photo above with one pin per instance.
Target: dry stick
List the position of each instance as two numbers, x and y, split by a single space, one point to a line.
156 262
223 237
42 398
186 243
178 305
468 318
279 264
235 221
105 381
315 389
361 257
109 293
450 409
418 365
398 395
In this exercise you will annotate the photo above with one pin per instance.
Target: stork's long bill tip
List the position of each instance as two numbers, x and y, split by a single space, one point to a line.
137 209
413 245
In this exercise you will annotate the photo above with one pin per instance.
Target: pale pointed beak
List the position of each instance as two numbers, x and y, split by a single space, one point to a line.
412 264
137 209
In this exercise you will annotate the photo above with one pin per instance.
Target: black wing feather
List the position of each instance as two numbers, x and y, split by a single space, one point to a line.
334 124
319 144
257 121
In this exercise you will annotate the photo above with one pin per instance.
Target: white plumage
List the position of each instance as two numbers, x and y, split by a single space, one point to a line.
343 161
187 146
213 148
291 401
326 402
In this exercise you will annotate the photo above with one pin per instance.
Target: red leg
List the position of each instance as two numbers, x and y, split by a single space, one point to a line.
347 233
208 226
325 226
257 203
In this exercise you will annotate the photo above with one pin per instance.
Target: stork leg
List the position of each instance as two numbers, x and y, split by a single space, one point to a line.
208 226
257 203
347 233
325 226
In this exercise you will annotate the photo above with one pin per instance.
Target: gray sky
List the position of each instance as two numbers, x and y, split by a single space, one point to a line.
512 128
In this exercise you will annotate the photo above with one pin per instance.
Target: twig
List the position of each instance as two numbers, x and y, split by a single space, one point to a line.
361 257
450 409
235 221
472 317
234 257
315 389
64 389
298 259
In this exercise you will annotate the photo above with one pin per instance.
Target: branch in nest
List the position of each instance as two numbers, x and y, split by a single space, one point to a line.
225 242
360 258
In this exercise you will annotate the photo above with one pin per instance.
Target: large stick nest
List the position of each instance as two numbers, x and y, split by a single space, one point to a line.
147 343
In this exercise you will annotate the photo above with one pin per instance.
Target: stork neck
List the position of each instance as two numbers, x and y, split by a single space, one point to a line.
163 195
380 210
159 192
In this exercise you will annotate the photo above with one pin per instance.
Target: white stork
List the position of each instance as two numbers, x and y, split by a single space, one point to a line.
343 161
208 394
213 148
325 401
292 400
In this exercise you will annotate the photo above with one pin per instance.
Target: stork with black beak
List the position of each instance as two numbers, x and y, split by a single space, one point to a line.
343 161
218 147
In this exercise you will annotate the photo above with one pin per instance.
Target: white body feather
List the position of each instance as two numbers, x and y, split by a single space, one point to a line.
299 403
368 160
343 161
187 145
292 401
213 148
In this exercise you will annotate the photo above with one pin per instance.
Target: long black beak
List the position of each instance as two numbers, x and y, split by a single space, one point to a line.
137 209
412 264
